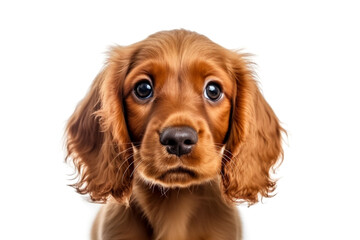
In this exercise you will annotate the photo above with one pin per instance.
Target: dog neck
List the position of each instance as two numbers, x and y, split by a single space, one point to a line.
173 210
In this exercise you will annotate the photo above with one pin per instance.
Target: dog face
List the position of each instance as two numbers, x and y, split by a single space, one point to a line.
175 110
178 108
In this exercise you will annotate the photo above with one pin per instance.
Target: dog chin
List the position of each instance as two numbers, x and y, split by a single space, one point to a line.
173 178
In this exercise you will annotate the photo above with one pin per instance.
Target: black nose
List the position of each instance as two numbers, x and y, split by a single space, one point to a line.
179 140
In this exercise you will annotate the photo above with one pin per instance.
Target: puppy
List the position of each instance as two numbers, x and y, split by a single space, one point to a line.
172 133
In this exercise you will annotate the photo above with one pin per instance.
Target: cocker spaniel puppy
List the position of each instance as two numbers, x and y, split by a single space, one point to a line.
172 133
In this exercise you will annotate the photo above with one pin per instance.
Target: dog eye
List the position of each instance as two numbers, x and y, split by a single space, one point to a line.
213 92
143 90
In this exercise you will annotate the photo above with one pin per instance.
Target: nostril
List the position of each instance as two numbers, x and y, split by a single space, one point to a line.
167 138
171 142
188 142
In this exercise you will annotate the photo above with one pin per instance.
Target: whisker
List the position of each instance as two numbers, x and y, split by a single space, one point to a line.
163 191
118 154
177 196
126 159
136 167
228 160
126 170
222 174
124 143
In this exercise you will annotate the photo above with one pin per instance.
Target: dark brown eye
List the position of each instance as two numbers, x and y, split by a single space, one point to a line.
143 90
213 92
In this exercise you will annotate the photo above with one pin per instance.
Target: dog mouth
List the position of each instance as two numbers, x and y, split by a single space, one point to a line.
179 171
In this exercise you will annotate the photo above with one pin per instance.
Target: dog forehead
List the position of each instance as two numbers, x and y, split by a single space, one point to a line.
178 62
180 65
178 47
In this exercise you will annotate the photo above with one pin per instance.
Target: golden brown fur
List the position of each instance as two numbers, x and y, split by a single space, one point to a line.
113 140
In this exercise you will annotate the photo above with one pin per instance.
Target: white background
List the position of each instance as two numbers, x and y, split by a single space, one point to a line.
308 65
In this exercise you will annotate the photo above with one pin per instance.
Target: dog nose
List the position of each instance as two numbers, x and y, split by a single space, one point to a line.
179 140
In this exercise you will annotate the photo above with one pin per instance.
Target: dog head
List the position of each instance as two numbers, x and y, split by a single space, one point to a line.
174 110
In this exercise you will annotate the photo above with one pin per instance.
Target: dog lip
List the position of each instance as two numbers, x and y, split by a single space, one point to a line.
180 170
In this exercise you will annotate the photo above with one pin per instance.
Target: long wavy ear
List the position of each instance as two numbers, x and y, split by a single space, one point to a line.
97 139
254 143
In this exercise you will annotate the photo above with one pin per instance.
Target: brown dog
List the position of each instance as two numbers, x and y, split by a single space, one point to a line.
173 131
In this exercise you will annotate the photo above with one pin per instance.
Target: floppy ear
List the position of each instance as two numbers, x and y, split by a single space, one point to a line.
97 138
254 143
